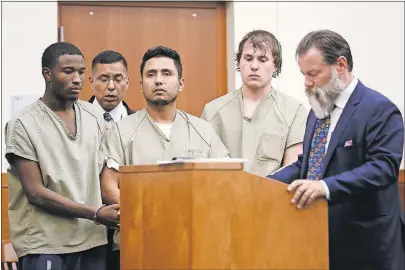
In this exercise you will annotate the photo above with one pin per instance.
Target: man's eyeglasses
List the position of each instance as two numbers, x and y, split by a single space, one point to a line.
116 80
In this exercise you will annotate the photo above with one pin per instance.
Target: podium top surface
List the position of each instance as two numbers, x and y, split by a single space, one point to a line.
181 166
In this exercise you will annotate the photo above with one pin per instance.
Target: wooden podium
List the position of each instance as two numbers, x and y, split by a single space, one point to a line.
216 216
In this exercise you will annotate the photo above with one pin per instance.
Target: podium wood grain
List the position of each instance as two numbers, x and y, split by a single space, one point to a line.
216 217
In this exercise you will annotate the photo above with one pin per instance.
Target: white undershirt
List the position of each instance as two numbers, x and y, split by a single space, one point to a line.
165 128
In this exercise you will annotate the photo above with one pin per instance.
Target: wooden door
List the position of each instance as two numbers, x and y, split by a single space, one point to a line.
5 231
5 226
195 30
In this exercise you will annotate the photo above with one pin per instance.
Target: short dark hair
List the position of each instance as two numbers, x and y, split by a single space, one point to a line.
159 51
257 38
329 43
109 57
55 50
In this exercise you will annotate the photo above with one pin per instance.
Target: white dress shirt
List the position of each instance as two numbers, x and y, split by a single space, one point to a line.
117 113
340 103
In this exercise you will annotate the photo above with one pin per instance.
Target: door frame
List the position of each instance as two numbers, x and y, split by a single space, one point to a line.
222 88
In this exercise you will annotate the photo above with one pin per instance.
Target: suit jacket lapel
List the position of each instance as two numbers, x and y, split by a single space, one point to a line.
307 143
91 100
344 119
129 111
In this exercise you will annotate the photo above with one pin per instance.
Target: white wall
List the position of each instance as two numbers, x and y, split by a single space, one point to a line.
374 31
27 29
376 39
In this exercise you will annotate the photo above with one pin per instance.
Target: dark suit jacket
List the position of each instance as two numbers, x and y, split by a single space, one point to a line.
91 100
366 220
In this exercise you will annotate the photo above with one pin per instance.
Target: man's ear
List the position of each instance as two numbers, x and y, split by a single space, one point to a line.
181 83
91 81
140 84
127 83
46 73
341 65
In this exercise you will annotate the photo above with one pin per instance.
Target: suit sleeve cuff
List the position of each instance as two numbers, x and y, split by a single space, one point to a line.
278 170
327 192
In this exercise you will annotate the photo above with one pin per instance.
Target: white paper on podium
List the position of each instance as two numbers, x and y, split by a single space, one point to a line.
20 102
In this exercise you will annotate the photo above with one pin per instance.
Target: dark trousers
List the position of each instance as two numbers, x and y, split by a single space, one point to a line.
113 257
84 260
113 260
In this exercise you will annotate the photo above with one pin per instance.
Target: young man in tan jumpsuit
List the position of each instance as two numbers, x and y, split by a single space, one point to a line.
257 122
54 187
158 132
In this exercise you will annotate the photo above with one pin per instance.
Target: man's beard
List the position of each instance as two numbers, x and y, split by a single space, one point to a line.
161 102
322 99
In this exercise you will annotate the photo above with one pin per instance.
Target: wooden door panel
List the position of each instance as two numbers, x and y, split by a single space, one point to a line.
196 32
5 231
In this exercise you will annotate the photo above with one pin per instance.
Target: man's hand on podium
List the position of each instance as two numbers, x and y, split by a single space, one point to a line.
306 192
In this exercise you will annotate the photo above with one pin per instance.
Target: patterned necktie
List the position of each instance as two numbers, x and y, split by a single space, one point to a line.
317 152
107 117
